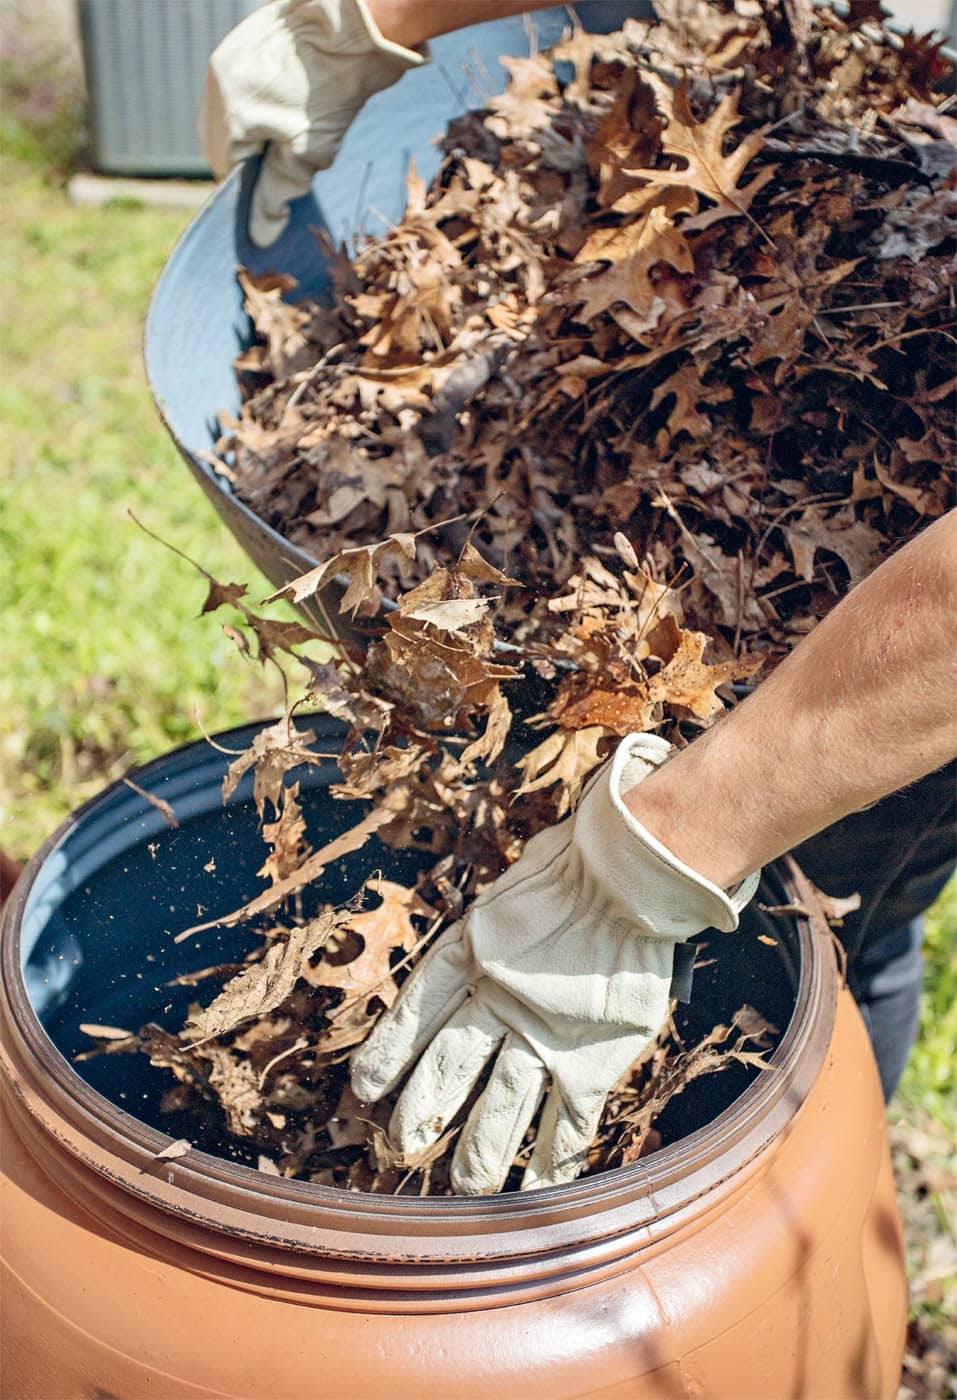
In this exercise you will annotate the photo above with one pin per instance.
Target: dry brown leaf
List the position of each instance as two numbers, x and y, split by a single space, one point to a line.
286 836
173 1150
634 251
358 956
701 146
264 986
690 682
161 805
857 544
565 758
358 564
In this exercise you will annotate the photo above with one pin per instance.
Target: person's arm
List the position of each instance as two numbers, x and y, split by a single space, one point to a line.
413 22
863 706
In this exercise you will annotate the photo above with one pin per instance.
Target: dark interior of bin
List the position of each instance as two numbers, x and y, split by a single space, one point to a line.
99 927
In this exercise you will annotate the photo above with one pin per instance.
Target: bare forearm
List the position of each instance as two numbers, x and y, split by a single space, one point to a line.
863 706
412 22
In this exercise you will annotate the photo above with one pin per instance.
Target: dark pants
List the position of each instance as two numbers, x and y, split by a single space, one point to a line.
897 855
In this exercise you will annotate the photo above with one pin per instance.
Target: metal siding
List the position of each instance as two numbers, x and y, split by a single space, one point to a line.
145 62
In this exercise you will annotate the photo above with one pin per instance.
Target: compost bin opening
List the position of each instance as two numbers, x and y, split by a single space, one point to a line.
100 920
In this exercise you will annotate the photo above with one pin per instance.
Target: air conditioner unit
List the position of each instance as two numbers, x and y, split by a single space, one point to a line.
145 61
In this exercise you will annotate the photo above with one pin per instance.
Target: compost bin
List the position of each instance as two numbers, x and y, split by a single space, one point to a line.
758 1252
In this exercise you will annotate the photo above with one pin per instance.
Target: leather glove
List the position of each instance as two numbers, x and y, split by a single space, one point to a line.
293 74
561 973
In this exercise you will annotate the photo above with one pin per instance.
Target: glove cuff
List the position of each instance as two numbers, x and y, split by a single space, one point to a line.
662 896
406 58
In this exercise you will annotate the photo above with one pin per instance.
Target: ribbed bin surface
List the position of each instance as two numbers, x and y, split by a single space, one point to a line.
145 61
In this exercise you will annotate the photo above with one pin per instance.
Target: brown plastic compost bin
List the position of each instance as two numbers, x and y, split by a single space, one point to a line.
758 1255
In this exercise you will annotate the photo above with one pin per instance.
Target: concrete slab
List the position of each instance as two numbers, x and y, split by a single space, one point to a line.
98 190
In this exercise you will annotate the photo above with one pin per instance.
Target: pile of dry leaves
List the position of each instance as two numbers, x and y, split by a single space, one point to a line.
656 369
692 281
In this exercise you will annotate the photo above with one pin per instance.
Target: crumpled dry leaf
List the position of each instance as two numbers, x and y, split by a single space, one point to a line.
357 564
264 986
287 836
274 752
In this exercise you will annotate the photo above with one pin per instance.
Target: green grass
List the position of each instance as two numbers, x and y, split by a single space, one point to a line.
930 1080
103 656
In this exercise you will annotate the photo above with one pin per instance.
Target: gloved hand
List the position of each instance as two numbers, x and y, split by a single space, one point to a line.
294 74
561 969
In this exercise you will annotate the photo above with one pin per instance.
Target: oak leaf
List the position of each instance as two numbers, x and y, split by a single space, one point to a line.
857 544
707 169
690 682
358 955
565 758
634 250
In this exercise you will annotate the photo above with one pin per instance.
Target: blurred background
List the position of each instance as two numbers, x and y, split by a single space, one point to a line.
105 663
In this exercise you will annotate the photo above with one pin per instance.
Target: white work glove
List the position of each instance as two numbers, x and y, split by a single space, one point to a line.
561 970
293 74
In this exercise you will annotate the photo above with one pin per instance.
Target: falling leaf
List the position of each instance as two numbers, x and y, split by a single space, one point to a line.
358 564
161 805
274 752
287 838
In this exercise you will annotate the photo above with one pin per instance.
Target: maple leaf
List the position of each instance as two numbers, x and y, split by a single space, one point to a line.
707 169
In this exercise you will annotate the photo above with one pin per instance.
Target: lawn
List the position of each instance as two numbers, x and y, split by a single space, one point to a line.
104 657
105 660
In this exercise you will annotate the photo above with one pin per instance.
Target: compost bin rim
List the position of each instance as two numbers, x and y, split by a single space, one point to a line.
277 1216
